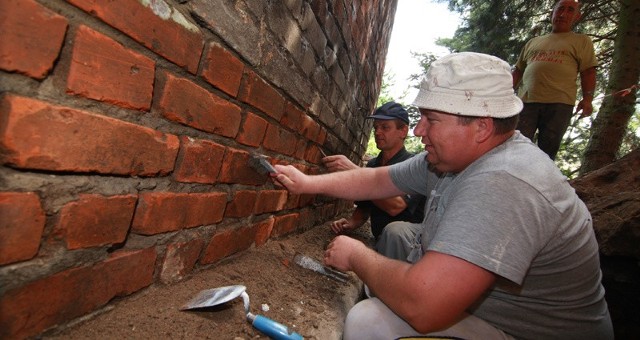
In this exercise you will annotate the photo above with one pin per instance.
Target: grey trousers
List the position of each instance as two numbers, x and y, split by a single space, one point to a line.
397 239
371 319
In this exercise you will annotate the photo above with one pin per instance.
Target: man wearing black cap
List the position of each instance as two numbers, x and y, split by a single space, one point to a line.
391 126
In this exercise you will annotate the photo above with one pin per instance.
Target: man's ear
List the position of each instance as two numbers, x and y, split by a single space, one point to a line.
484 129
405 130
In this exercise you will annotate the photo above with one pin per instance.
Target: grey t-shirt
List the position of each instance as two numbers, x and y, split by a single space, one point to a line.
513 213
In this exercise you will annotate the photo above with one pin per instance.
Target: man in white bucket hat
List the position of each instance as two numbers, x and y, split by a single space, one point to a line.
506 250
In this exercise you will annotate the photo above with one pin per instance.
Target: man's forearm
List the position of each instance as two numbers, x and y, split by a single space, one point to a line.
588 83
358 184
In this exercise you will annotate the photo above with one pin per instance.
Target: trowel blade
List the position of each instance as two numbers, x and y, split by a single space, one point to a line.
309 263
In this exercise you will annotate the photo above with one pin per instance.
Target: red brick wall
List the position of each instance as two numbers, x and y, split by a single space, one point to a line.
122 121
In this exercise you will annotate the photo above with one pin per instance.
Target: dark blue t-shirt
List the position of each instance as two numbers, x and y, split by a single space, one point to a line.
415 203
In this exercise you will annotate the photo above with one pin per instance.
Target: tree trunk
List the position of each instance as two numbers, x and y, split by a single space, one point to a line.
610 125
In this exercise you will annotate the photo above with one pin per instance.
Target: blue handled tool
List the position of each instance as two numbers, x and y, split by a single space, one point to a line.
271 328
215 296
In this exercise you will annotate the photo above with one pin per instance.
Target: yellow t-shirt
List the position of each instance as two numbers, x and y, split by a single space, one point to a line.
550 65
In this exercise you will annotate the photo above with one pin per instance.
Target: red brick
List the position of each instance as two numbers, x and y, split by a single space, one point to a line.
21 224
96 220
300 149
161 212
306 200
242 204
65 139
228 242
180 259
279 140
313 154
222 69
293 201
310 128
28 310
263 231
236 169
32 36
185 102
261 95
270 201
284 224
253 130
153 26
104 70
199 161
292 117
322 136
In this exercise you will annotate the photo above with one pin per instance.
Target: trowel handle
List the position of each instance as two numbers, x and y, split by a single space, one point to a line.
272 329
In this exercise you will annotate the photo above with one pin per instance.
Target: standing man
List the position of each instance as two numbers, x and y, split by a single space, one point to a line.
391 126
548 67
507 249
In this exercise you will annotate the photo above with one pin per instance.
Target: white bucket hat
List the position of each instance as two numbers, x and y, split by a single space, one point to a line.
469 84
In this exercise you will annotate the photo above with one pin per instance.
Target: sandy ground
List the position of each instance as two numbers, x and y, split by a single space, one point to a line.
308 303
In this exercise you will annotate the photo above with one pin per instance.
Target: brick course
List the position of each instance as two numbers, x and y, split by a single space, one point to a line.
28 310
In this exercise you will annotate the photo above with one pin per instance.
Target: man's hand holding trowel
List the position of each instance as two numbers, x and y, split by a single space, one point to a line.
342 249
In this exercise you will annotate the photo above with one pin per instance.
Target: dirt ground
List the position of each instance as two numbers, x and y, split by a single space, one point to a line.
308 303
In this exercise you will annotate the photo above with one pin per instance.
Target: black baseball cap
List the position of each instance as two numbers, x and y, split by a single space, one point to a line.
391 110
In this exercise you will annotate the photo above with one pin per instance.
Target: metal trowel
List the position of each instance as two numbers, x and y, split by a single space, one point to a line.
309 263
216 296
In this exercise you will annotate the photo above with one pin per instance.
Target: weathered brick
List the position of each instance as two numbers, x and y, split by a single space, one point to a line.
236 169
279 140
313 154
258 93
104 70
228 242
253 130
284 224
21 224
161 212
96 220
293 201
263 231
180 259
242 204
65 139
185 102
270 201
300 148
309 128
222 69
306 200
155 24
322 136
32 36
28 310
292 117
199 161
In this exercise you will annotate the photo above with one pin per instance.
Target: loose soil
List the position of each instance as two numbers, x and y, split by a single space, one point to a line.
308 303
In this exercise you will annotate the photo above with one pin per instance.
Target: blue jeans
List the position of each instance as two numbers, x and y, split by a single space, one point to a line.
550 120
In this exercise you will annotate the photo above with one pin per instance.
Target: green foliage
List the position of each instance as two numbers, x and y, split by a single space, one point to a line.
412 144
385 89
574 143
